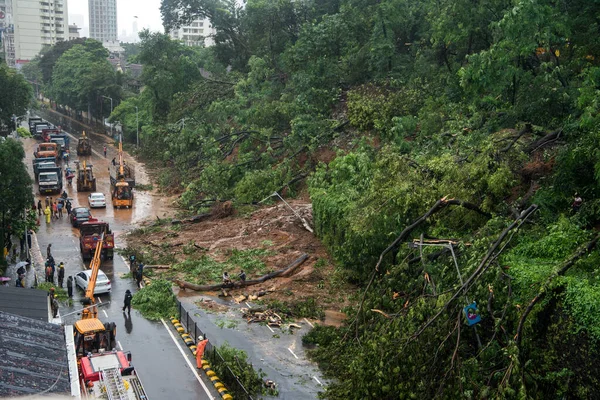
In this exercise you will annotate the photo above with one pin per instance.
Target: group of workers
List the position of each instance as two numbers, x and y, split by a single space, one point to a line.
227 279
53 209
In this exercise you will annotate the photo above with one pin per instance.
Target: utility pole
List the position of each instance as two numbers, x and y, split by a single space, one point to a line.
111 110
137 128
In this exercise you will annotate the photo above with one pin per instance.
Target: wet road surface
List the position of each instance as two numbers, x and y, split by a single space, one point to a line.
156 356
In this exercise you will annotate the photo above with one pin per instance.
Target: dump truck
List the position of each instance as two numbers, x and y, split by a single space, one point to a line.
86 181
40 160
46 150
89 234
50 180
43 166
32 121
102 373
84 147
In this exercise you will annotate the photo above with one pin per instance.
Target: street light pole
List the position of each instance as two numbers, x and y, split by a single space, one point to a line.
137 128
111 110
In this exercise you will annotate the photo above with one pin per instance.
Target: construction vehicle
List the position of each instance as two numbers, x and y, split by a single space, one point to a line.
41 160
121 189
46 150
103 373
89 232
84 147
86 181
32 121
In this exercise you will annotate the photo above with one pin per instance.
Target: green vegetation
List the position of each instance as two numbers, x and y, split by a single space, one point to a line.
15 97
204 269
155 301
380 109
60 293
15 192
237 361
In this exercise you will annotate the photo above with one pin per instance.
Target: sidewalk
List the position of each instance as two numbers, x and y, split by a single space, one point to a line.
35 272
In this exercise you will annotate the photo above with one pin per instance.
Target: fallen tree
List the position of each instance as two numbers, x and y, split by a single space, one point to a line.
234 285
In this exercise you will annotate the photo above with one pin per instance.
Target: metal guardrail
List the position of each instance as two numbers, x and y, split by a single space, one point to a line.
234 386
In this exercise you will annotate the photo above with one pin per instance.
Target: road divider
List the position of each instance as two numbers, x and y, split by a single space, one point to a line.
191 344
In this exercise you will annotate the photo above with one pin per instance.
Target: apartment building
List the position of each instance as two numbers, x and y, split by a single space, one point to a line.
37 23
73 31
7 32
198 33
103 20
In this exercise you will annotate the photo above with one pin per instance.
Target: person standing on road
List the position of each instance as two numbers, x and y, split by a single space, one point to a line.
127 301
104 151
61 274
47 213
114 161
49 277
54 210
70 286
139 275
40 209
60 208
48 201
68 207
49 250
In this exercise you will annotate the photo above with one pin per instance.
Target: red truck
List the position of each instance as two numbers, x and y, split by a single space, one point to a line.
89 233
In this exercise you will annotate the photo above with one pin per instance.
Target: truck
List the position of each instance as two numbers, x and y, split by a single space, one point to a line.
103 373
46 150
31 122
127 174
50 180
89 234
43 167
41 160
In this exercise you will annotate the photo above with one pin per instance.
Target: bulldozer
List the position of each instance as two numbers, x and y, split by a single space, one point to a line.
84 147
86 182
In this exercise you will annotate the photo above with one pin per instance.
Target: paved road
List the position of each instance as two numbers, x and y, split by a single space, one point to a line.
156 356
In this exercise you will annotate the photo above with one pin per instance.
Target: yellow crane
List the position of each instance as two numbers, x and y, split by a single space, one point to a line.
122 193
90 333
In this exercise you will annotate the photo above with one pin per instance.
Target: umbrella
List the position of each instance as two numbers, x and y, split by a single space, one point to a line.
22 264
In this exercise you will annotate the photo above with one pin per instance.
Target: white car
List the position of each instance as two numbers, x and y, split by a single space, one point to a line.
97 200
102 282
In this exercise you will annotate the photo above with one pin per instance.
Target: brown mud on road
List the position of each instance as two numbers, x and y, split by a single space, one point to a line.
274 229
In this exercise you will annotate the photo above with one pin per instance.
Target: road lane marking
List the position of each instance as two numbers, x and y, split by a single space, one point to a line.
105 314
292 353
119 344
187 360
270 329
99 300
318 381
308 322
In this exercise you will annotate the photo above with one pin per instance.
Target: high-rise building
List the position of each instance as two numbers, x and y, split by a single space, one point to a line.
74 31
198 33
37 23
7 32
103 20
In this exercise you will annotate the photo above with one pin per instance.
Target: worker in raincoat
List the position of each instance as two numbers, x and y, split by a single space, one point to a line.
48 214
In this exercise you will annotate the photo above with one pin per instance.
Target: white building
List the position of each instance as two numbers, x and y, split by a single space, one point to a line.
103 20
198 33
73 31
38 23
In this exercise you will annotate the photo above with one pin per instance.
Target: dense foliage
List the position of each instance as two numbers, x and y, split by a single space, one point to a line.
155 301
15 191
387 107
15 97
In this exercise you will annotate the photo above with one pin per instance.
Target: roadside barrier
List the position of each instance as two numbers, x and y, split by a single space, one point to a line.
232 387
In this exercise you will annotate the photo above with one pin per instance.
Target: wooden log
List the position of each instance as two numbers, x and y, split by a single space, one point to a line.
234 285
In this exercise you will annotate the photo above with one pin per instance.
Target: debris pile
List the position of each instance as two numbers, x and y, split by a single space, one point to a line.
260 314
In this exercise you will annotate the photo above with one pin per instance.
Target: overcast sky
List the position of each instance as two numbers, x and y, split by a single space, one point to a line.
147 11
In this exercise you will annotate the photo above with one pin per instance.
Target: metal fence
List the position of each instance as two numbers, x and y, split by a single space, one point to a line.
69 124
234 386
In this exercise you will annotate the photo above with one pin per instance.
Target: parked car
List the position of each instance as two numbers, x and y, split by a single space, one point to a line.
102 282
97 200
79 215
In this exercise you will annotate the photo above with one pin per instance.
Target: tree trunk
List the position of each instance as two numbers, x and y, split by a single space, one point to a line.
282 272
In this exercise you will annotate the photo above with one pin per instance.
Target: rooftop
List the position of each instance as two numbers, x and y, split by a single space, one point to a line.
33 357
31 303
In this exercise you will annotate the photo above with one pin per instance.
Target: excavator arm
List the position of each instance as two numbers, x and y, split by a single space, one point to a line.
95 267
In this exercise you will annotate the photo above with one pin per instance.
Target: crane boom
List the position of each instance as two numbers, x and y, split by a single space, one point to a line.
95 267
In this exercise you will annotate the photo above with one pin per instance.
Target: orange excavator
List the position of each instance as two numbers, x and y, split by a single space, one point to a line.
122 193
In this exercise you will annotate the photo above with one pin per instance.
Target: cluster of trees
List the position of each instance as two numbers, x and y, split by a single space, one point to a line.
76 73
15 98
471 123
